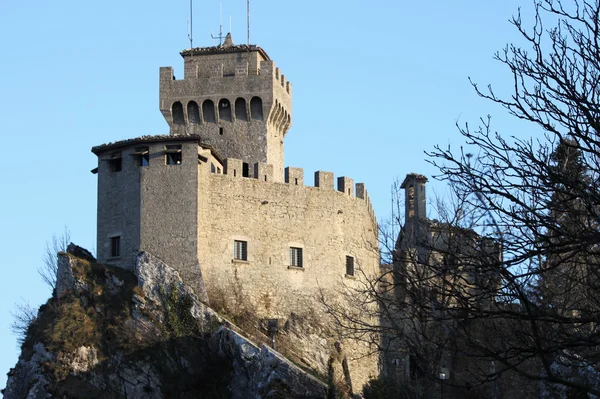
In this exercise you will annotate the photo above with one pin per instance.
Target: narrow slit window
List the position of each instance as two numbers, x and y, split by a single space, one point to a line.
240 250
296 257
349 266
115 246
173 155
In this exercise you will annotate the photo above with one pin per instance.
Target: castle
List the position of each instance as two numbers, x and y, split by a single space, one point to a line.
213 200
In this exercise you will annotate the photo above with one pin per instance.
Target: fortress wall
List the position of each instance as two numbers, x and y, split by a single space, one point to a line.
118 208
169 209
271 217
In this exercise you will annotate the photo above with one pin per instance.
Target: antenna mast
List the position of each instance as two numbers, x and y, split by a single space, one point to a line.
191 30
220 37
248 19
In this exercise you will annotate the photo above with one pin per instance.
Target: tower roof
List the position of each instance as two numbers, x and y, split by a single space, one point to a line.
413 177
225 49
99 149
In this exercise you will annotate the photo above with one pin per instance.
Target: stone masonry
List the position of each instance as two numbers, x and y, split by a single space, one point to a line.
213 200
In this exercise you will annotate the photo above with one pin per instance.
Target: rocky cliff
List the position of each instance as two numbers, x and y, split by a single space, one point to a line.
109 333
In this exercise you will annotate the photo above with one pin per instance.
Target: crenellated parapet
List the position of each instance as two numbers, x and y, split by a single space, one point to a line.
323 181
235 97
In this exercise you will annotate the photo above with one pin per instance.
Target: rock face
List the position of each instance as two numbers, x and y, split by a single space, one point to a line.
162 343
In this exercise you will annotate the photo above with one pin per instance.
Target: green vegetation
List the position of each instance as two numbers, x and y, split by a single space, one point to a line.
179 321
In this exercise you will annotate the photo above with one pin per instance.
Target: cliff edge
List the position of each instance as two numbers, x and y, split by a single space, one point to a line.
110 333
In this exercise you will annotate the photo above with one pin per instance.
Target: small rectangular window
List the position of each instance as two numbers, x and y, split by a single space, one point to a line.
115 246
142 156
212 168
245 170
173 155
240 250
296 257
115 164
349 266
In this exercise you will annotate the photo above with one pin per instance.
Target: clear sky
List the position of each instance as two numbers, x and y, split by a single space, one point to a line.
375 85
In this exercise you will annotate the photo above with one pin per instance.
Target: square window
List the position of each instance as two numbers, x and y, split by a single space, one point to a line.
115 164
173 155
115 246
240 250
142 156
296 257
349 266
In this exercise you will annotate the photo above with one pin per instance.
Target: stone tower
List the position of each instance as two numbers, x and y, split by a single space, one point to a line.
415 202
234 98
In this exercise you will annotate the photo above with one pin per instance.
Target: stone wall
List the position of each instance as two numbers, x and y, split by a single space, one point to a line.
326 224
169 205
118 207
257 99
190 216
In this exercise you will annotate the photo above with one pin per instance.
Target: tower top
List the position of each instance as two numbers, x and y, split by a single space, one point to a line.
224 49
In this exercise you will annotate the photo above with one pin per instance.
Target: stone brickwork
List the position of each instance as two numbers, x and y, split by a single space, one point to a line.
241 227
271 218
235 98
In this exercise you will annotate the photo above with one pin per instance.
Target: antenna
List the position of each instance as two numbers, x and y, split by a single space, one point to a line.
220 37
191 26
248 19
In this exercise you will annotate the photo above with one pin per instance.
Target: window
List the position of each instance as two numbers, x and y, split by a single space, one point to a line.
349 266
115 163
115 246
142 156
240 250
173 155
245 169
296 257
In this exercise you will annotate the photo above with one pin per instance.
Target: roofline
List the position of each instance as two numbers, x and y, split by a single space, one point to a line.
225 49
415 176
99 149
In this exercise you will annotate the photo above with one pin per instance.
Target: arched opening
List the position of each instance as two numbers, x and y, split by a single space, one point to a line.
193 113
208 111
256 108
240 110
225 110
177 112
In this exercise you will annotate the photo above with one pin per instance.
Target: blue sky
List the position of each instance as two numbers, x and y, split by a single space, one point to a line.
375 85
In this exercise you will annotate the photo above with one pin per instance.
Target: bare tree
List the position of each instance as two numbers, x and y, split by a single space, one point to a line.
49 265
23 315
506 287
539 198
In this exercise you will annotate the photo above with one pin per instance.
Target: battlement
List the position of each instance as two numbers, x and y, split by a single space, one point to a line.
323 181
286 84
234 97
